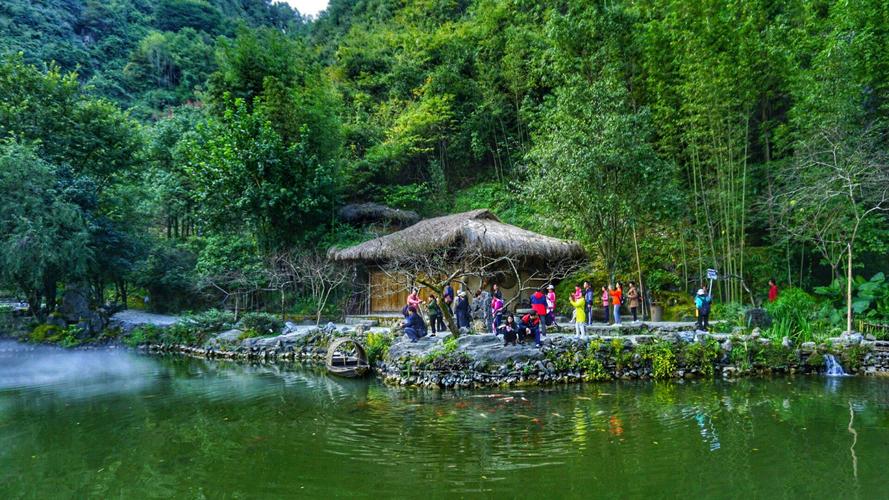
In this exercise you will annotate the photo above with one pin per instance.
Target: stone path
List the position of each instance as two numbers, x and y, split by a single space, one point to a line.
129 319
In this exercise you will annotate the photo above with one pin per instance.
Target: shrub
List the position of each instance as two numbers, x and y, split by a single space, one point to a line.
593 369
701 356
145 334
249 334
377 346
44 333
661 357
264 323
792 314
212 320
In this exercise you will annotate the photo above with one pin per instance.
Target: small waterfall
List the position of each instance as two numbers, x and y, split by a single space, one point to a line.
834 368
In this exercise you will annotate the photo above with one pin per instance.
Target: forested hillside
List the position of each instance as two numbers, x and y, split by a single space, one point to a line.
178 145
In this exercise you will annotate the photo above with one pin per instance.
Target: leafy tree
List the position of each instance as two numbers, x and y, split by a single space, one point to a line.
44 235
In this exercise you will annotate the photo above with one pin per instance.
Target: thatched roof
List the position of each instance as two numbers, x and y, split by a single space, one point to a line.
477 230
368 213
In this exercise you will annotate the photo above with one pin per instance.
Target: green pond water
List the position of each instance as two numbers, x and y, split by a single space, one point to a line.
119 425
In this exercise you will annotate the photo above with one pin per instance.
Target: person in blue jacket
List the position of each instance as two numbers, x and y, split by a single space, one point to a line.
702 303
414 326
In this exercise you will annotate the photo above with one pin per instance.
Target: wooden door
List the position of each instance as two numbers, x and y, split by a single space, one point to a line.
387 294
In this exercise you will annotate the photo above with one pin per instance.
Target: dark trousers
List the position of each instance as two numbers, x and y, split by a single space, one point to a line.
498 320
526 332
633 310
412 334
436 322
589 314
462 319
607 310
703 321
509 337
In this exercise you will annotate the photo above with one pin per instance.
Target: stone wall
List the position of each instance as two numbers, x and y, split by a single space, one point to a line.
482 360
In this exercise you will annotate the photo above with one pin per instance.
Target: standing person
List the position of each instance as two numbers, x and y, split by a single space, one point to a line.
617 296
414 326
413 300
530 326
633 298
550 306
461 310
496 313
588 301
495 291
773 290
702 303
538 305
579 314
509 329
436 321
483 303
448 297
606 308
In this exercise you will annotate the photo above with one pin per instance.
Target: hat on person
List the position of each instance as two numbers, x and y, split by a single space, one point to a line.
462 293
550 287
701 291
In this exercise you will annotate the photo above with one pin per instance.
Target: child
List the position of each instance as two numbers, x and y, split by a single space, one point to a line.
510 330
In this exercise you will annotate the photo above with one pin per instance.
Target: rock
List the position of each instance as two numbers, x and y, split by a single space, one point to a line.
870 337
786 343
758 317
290 327
226 337
56 320
329 328
75 304
807 347
755 333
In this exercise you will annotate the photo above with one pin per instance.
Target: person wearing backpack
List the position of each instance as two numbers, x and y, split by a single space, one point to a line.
702 303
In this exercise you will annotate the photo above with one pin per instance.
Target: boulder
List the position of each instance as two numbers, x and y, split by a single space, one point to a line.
75 304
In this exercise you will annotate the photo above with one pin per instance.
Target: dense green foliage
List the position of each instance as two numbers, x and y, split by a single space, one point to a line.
181 146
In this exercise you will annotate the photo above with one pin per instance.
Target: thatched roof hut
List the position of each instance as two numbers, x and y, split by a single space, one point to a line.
477 230
374 213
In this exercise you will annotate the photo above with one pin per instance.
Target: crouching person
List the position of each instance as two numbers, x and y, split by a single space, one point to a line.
530 327
509 329
414 326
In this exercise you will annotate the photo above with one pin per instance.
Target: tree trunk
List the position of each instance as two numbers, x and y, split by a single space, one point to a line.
448 317
849 291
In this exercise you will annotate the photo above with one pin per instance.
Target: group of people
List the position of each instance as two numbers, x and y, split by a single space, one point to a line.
533 325
491 306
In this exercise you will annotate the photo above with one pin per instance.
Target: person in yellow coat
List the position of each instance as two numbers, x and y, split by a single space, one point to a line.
579 304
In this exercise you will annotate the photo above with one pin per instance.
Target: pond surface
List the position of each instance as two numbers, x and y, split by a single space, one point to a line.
116 424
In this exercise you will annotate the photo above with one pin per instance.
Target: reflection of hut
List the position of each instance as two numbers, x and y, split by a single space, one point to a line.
478 232
377 216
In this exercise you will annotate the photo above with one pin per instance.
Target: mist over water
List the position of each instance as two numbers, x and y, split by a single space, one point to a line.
73 374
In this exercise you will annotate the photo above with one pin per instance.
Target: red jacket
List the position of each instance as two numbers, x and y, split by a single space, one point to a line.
538 303
773 293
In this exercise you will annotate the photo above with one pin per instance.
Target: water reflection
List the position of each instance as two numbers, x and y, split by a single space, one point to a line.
185 427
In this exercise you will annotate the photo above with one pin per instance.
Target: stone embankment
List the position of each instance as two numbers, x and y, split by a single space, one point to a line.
637 351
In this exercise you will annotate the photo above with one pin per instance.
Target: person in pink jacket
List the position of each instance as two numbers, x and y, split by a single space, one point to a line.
605 307
497 312
551 305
